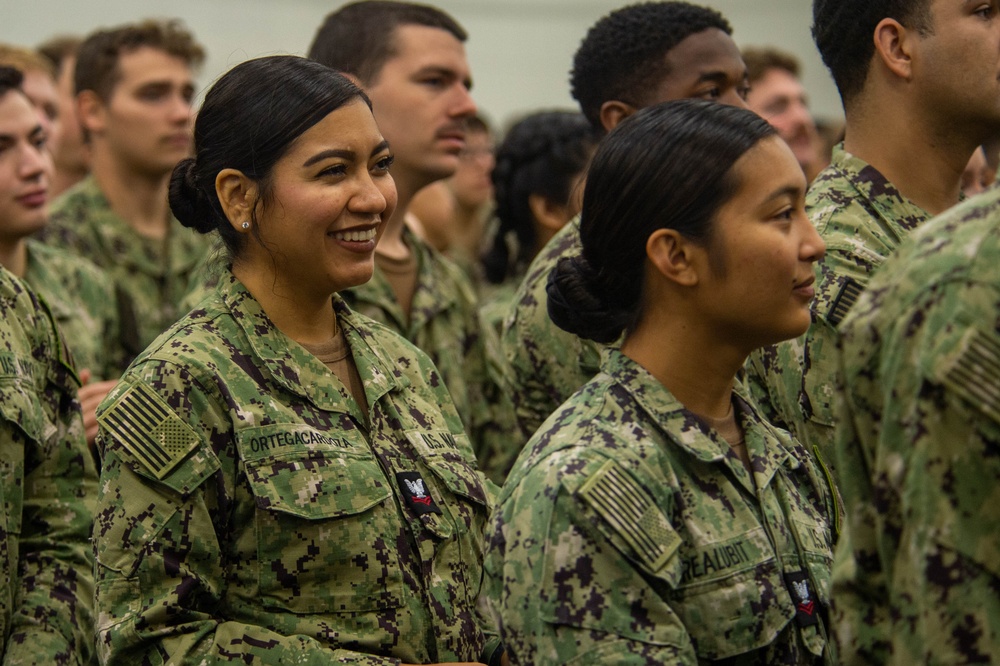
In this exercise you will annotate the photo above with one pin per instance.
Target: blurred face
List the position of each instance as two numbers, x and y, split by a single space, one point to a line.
25 168
145 125
705 65
41 92
68 150
779 98
762 252
421 99
331 195
471 182
957 65
978 174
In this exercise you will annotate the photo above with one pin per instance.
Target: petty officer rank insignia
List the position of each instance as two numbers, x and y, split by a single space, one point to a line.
807 607
414 490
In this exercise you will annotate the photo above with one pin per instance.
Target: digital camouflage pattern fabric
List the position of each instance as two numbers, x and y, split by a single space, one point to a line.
251 513
47 485
154 275
82 300
444 323
630 533
547 364
862 218
917 575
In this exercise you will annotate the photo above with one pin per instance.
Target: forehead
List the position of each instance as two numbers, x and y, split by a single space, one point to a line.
351 127
38 86
146 63
416 47
16 114
767 167
776 81
708 52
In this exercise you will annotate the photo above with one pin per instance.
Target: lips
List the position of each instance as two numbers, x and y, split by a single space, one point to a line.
805 287
356 235
34 199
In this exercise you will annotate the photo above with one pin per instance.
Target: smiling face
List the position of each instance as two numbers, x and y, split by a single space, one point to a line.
25 169
145 124
758 275
329 198
421 98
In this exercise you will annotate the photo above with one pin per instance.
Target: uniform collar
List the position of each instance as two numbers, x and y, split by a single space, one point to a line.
294 368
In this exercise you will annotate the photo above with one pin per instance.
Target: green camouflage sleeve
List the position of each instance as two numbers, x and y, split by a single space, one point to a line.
52 619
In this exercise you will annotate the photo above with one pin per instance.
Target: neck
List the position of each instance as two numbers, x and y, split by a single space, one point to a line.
63 180
303 316
14 256
469 225
391 243
137 198
695 366
922 158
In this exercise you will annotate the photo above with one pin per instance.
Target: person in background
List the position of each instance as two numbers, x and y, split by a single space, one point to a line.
80 297
634 57
919 85
285 480
69 152
134 90
979 174
538 180
48 479
656 517
778 96
38 85
410 59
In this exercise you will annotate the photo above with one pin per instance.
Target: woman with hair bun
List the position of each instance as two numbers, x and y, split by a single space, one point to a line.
286 481
656 517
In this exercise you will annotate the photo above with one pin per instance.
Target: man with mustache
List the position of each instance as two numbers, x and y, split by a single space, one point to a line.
410 60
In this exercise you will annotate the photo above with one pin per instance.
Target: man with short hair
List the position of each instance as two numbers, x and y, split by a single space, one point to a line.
410 60
920 90
134 90
634 57
778 96
69 153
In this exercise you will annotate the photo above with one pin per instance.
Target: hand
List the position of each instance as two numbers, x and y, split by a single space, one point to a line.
91 396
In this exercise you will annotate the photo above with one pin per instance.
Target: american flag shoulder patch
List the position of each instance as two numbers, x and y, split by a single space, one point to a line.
973 371
149 429
630 511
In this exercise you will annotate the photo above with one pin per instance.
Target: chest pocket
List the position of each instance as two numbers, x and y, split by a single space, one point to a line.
327 532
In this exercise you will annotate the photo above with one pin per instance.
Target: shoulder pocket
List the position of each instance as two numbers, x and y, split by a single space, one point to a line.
21 408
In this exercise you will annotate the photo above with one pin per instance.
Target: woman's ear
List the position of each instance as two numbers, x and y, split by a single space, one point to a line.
673 255
238 196
551 215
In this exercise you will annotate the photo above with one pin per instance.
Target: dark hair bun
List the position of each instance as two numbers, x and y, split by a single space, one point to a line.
187 202
578 306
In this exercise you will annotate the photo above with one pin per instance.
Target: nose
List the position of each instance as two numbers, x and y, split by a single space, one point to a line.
371 197
181 109
34 163
812 248
463 106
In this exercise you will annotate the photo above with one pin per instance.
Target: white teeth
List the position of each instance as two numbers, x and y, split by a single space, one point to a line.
355 236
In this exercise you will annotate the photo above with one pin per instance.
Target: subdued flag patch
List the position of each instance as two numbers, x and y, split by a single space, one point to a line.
146 426
627 507
973 372
844 301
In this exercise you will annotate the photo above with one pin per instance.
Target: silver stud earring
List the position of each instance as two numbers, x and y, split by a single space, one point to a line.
245 225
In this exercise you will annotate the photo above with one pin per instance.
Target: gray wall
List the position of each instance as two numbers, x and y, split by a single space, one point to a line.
520 50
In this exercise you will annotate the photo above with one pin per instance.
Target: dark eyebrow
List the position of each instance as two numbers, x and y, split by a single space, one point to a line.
445 72
793 191
342 154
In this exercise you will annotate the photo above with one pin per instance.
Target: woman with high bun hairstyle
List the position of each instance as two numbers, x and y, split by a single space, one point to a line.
286 481
656 518
539 171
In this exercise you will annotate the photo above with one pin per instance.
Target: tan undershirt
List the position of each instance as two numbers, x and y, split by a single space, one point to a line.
402 277
730 430
336 355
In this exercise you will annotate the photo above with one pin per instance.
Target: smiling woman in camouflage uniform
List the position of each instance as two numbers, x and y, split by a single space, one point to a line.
285 480
655 517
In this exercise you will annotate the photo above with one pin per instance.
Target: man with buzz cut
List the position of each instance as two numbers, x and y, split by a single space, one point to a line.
410 60
634 57
919 85
134 90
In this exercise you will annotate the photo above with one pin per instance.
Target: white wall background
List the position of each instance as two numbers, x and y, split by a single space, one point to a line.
520 50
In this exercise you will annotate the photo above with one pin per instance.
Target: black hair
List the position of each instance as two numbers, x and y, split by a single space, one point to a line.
540 154
11 78
359 37
844 34
623 55
669 166
250 118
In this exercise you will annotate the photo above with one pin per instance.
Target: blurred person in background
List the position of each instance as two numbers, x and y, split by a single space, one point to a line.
69 152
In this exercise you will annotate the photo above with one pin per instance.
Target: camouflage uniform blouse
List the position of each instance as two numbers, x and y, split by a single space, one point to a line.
445 324
154 275
862 218
82 300
917 575
547 364
249 512
47 487
630 533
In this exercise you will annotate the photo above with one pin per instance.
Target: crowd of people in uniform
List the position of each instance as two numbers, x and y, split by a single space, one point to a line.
274 389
